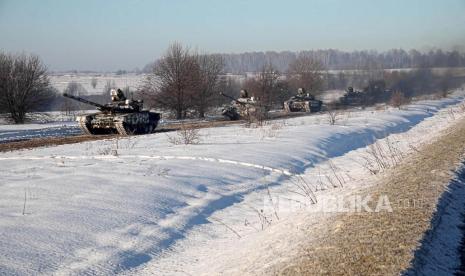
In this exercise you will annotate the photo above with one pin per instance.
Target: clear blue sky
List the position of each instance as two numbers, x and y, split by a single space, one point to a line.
113 34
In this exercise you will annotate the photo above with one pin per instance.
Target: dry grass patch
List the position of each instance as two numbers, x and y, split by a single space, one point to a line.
383 243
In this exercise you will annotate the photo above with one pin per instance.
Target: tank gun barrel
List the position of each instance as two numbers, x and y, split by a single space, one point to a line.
231 98
79 99
227 96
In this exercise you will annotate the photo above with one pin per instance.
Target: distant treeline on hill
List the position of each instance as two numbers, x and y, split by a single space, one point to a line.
338 60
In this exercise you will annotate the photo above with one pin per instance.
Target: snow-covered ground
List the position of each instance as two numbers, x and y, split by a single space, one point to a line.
55 124
142 205
41 125
61 81
10 133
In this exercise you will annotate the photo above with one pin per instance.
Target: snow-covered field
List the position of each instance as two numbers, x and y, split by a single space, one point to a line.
142 205
9 133
41 125
61 81
55 124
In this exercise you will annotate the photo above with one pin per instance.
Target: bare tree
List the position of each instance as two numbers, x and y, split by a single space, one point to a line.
268 80
445 83
75 89
172 79
110 84
24 85
398 99
306 72
265 85
93 82
67 106
210 67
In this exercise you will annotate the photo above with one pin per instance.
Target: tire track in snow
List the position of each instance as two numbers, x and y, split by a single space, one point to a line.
158 157
152 239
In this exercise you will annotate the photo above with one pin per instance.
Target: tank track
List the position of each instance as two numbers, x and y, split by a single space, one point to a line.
307 107
121 129
83 126
287 108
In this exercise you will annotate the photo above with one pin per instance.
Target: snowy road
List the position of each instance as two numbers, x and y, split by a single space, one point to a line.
11 133
158 208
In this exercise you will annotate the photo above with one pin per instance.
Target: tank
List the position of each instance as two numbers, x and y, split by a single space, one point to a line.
244 108
302 102
352 98
121 116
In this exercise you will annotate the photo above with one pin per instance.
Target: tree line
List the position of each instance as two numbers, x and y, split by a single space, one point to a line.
341 60
188 83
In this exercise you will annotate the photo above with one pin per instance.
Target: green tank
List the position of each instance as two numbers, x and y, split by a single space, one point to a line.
302 102
352 97
245 107
121 116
